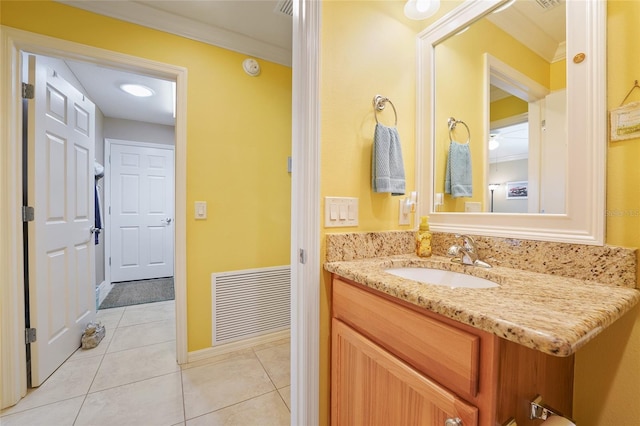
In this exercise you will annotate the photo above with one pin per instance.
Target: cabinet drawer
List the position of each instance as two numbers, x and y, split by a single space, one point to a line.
446 354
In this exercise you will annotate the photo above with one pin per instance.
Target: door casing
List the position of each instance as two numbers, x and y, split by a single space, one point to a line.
13 42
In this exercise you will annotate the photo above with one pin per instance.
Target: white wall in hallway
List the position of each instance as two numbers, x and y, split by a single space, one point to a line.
117 128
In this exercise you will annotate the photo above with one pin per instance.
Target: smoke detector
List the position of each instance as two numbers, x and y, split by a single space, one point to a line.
251 67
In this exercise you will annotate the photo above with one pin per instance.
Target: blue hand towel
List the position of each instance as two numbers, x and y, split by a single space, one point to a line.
387 166
458 179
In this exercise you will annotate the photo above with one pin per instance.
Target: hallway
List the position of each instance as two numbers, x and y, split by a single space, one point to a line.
132 378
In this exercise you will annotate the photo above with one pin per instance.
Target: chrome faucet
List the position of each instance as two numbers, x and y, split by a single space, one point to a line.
467 253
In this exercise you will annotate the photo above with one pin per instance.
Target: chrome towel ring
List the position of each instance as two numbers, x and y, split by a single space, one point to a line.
452 123
379 102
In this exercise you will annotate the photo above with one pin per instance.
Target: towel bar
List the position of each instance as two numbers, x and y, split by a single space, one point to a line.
379 104
452 123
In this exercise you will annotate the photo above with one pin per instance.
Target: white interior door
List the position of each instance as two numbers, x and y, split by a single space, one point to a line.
61 246
142 193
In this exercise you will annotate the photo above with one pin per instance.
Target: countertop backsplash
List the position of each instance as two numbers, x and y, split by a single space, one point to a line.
609 265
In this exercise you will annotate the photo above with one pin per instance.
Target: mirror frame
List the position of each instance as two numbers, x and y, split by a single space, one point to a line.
584 220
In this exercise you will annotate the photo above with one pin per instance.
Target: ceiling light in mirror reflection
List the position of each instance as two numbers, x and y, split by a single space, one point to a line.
421 9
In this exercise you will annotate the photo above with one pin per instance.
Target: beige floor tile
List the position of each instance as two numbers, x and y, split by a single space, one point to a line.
156 401
132 365
278 342
150 312
136 336
72 379
214 386
285 393
276 361
59 413
265 410
110 317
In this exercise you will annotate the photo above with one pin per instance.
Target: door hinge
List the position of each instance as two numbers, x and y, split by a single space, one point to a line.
28 214
303 256
29 335
28 91
109 261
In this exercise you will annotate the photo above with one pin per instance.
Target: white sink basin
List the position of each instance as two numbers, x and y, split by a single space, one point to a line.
444 278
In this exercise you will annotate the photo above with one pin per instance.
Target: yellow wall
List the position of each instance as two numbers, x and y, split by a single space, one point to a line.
239 137
460 82
367 48
507 107
607 382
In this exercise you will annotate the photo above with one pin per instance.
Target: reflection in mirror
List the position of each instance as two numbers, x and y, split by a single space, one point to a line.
505 77
457 85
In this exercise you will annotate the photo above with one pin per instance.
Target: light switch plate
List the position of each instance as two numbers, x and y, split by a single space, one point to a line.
201 210
405 212
340 211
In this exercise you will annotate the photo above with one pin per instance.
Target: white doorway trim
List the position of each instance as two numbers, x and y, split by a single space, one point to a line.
305 215
12 42
107 190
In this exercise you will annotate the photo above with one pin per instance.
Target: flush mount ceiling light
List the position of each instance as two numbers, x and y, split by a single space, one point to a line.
137 90
421 9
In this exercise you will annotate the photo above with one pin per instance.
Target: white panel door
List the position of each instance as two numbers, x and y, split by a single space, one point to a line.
61 124
142 192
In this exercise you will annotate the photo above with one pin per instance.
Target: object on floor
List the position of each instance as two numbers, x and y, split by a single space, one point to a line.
138 292
93 333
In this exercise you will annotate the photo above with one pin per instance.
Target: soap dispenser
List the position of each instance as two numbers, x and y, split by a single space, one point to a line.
423 238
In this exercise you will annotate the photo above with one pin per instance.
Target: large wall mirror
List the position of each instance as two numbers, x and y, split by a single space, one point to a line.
511 123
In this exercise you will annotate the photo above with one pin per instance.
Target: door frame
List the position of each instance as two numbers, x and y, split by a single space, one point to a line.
107 190
12 43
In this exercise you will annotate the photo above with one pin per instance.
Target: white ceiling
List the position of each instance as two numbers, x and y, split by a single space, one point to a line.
257 28
514 143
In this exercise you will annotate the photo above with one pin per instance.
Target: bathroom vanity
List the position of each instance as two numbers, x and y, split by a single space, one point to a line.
411 366
405 352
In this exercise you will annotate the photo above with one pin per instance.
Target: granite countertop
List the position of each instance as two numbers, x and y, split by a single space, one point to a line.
553 314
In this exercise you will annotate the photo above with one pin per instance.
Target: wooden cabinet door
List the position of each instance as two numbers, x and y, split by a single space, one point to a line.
369 386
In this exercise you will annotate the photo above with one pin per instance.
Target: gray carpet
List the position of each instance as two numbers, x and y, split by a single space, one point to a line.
137 292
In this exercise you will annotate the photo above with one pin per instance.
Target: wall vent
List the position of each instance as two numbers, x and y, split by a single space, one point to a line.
250 303
284 7
548 4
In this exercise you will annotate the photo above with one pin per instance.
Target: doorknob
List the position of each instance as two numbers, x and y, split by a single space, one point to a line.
92 230
167 220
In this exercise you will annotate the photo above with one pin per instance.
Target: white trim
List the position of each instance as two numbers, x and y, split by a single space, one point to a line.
102 291
584 222
204 354
12 347
151 17
12 367
305 215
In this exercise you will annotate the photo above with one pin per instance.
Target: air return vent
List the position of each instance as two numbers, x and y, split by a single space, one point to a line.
548 4
250 303
284 7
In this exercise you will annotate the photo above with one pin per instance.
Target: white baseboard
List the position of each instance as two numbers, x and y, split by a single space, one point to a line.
101 292
237 346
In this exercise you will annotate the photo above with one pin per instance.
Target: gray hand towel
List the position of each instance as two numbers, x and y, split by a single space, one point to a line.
387 165
458 179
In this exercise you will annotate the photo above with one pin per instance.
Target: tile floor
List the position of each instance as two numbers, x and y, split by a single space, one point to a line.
132 378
